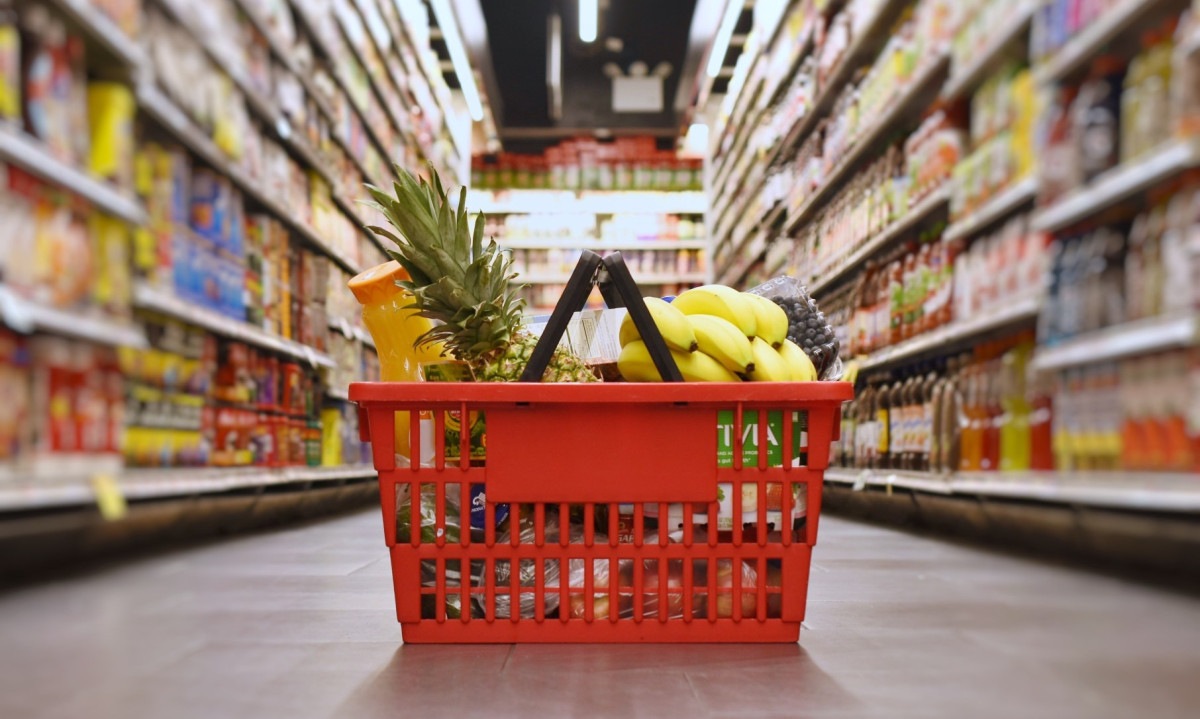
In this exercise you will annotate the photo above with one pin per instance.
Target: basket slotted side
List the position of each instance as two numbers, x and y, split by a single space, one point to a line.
564 446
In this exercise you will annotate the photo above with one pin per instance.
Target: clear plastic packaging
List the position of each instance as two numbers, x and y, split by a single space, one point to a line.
527 570
807 326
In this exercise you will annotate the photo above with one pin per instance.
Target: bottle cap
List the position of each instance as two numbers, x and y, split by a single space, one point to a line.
378 284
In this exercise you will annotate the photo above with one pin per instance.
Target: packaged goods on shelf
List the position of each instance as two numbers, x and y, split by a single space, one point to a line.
973 412
584 164
1125 272
16 387
1057 21
58 254
1003 116
1123 110
53 84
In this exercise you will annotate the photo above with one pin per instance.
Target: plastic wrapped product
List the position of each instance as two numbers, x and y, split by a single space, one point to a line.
724 599
528 571
807 326
427 508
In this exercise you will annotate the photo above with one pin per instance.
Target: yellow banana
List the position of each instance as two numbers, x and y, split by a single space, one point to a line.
802 367
768 365
720 339
724 302
635 365
772 321
672 324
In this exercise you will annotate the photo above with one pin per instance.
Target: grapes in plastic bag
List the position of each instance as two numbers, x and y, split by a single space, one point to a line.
807 326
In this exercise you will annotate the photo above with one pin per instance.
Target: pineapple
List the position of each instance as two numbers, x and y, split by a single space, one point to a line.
463 284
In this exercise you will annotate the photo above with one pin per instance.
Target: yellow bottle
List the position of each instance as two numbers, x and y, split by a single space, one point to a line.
395 328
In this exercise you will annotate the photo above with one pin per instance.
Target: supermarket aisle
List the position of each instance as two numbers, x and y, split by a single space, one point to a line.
299 623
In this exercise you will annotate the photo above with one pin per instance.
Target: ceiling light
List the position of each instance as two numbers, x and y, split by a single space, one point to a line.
458 55
724 34
589 19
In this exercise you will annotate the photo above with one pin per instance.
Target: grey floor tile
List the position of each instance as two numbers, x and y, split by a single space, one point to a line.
301 623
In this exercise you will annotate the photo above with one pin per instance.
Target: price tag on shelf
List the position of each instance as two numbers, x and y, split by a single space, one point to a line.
310 355
109 498
347 330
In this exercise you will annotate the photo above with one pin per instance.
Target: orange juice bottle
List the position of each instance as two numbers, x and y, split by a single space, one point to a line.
395 328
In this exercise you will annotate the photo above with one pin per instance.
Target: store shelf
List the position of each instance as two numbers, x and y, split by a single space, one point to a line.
646 279
963 80
1145 491
135 484
310 28
164 111
825 277
871 37
743 258
914 97
1092 40
1125 340
603 245
1000 317
598 202
260 104
1119 183
103 30
861 478
150 298
992 211
341 394
428 69
25 316
29 154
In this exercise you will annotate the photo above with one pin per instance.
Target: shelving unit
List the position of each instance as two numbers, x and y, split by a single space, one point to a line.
1119 183
915 96
149 298
747 227
28 317
590 202
1090 42
826 275
1143 491
1125 340
26 152
604 245
145 484
415 104
1000 317
1005 203
963 80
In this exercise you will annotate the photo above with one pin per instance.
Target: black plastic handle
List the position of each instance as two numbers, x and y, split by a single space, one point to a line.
619 289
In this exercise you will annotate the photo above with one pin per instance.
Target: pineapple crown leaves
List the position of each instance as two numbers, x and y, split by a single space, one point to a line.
455 278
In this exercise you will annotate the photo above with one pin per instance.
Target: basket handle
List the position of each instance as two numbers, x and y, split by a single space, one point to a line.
617 285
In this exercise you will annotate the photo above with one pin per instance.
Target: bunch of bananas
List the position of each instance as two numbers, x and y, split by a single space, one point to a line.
717 334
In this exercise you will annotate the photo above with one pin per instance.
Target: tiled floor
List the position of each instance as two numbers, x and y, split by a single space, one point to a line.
300 623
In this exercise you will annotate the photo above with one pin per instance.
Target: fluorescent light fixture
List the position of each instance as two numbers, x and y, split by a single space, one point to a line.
554 66
458 55
724 35
589 19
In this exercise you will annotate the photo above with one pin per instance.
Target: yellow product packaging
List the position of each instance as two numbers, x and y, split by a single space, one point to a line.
110 120
331 437
10 72
395 328
473 424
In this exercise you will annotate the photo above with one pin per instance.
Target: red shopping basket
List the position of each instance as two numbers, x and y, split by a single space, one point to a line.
610 512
